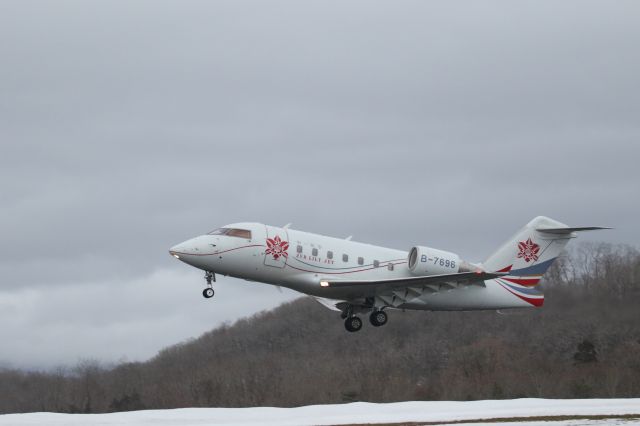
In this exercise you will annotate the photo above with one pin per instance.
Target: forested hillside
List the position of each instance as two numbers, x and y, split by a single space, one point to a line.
584 343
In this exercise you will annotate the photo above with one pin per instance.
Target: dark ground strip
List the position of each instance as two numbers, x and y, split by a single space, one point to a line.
507 419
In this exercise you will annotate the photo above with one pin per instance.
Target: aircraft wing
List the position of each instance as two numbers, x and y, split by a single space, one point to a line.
393 283
399 290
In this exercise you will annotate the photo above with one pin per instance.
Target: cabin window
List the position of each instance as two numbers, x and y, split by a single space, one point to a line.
299 248
329 255
376 264
345 257
360 261
390 266
314 252
232 232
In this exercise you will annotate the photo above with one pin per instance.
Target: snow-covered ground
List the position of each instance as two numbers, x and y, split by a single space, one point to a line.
359 412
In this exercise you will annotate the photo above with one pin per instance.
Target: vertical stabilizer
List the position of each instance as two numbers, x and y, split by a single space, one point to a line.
530 252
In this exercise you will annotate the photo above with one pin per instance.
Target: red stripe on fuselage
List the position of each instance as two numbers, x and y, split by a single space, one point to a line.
218 252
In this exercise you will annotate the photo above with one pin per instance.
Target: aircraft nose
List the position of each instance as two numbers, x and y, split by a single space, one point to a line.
176 250
198 246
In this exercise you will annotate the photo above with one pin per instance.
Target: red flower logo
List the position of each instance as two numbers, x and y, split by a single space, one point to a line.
528 250
276 247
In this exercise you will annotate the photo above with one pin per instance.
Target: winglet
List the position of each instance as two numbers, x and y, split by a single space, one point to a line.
287 225
506 269
349 238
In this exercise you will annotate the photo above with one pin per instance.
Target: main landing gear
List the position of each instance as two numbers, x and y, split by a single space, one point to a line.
210 277
378 318
353 323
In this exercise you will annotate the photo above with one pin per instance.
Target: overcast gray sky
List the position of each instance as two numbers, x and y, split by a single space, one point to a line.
127 127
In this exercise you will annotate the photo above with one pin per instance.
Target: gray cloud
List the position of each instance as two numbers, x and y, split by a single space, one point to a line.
126 128
120 319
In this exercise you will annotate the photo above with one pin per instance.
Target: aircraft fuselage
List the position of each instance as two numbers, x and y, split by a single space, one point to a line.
301 261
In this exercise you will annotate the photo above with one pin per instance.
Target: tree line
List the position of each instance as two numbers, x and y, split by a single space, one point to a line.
584 343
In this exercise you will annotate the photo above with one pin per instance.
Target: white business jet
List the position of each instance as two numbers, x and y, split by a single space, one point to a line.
355 278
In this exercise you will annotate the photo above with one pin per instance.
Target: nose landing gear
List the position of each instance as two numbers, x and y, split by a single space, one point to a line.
210 277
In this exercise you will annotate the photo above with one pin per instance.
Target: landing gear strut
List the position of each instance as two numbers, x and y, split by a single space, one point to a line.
210 277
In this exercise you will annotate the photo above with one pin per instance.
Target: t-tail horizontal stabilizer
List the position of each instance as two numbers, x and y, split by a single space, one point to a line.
562 231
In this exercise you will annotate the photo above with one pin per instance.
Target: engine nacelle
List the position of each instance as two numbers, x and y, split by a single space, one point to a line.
430 261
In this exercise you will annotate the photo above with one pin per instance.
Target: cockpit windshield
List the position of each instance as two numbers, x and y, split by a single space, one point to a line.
232 232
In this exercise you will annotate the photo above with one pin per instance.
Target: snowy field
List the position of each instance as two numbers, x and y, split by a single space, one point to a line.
355 413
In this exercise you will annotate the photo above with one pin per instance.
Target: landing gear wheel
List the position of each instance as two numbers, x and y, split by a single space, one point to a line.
378 318
353 324
208 292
